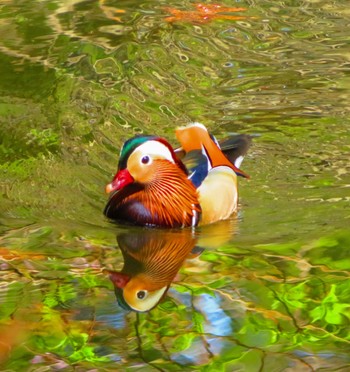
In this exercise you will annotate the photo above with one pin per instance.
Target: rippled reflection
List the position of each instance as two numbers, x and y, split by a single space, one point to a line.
152 258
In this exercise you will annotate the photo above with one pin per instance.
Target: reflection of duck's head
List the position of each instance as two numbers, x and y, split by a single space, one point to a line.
133 295
152 259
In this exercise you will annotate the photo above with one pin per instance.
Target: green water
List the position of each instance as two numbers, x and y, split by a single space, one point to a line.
271 290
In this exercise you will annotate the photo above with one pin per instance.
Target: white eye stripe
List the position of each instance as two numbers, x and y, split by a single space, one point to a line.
155 148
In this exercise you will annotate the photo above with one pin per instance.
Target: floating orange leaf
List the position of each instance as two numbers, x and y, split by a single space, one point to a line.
9 254
203 13
11 334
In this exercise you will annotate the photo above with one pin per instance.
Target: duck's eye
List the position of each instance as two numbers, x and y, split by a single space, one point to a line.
145 159
141 295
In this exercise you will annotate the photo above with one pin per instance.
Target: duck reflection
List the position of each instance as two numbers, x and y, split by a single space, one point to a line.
152 259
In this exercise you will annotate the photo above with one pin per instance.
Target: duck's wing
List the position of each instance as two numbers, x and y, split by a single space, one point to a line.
201 150
218 193
197 166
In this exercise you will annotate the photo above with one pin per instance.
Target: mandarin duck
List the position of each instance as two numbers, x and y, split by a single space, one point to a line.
156 185
152 259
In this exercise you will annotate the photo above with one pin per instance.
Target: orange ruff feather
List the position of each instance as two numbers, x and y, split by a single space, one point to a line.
171 197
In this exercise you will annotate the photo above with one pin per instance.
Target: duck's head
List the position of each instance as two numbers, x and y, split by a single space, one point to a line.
141 159
151 186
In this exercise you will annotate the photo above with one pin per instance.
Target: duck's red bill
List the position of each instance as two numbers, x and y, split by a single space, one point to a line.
120 180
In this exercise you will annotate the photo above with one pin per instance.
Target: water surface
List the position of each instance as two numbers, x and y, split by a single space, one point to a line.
271 290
